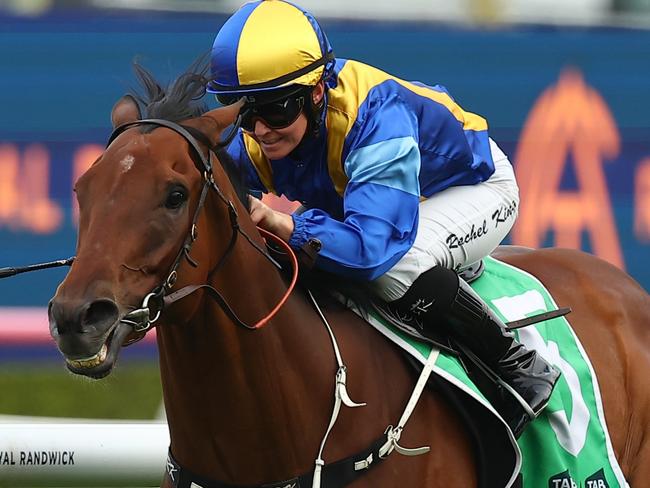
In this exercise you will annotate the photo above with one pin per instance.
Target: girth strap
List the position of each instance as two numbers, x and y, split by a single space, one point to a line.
334 475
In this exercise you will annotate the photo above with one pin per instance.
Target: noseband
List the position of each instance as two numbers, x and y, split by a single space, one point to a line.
154 302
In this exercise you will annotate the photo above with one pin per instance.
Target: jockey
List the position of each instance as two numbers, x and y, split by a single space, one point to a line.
402 187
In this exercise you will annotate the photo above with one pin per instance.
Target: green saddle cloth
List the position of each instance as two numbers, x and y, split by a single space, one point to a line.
568 445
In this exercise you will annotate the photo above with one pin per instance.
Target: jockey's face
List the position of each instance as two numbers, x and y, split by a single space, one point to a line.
277 143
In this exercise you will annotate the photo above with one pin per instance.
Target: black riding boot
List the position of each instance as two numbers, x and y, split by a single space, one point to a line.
440 299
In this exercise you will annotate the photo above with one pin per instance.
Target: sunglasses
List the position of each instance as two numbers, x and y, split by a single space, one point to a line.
276 114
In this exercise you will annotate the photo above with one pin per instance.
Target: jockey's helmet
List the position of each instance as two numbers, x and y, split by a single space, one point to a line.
268 45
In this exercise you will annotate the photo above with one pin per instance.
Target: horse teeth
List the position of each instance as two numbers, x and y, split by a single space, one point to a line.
90 362
102 353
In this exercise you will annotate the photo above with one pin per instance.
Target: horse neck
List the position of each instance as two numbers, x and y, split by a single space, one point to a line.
234 395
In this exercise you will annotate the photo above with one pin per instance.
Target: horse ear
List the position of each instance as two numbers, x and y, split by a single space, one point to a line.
125 110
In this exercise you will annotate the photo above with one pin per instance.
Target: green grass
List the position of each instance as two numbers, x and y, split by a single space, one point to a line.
132 391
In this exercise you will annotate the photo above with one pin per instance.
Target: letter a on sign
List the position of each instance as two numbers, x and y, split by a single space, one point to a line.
569 122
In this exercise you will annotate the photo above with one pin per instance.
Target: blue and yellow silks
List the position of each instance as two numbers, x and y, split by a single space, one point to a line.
386 144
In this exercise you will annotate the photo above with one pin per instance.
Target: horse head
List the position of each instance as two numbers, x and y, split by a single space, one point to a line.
138 211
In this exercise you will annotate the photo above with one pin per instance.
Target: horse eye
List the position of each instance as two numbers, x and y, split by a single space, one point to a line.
175 199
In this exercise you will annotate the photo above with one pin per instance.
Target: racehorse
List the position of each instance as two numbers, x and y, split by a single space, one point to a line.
248 406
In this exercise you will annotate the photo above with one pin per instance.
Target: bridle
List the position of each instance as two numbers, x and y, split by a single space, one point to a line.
143 318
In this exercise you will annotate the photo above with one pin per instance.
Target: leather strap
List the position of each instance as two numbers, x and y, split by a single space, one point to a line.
334 475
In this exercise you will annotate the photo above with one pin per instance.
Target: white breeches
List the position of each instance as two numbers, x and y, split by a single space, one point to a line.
457 227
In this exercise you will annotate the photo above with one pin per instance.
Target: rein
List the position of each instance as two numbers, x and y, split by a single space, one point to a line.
143 318
214 293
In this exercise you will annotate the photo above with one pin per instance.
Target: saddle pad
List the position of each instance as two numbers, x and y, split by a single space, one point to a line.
568 445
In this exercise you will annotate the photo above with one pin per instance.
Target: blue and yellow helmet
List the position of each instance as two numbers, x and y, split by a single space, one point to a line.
268 44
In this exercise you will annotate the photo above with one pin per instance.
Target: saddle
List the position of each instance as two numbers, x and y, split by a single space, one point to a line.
356 295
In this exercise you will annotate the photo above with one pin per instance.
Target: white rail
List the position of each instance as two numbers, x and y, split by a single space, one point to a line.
107 454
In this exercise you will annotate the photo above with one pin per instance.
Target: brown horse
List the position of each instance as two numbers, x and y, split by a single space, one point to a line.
250 407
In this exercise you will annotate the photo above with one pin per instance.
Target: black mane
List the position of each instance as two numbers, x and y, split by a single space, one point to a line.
182 100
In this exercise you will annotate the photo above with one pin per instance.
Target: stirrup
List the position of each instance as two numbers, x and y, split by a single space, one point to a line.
472 272
517 412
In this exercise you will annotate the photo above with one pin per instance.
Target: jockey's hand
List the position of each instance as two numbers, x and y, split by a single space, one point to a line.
278 223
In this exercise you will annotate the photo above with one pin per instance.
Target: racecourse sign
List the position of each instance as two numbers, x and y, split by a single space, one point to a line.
37 458
82 453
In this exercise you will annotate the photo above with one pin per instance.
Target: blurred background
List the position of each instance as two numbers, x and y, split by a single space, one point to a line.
564 85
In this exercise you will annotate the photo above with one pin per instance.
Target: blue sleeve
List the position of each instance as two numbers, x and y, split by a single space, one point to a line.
380 201
237 151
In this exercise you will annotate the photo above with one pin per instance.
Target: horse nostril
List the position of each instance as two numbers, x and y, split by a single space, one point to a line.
62 318
100 314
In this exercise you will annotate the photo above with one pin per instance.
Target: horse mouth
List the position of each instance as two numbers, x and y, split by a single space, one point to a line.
101 364
92 361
